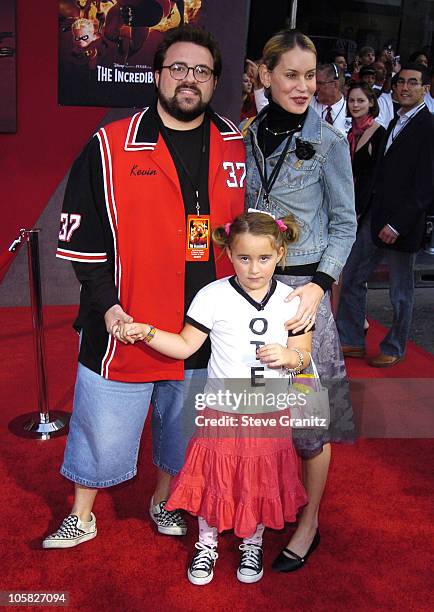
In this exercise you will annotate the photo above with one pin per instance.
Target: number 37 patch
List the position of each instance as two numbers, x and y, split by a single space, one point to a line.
236 172
68 224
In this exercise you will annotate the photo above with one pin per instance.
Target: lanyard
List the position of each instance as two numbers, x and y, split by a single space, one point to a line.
267 183
194 181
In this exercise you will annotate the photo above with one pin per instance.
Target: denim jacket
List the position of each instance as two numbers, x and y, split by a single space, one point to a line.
319 192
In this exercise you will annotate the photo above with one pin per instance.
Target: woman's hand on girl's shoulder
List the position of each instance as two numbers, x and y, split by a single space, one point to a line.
310 298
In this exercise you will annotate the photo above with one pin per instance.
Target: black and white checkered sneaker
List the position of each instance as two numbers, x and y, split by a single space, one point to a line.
250 568
71 532
201 570
168 523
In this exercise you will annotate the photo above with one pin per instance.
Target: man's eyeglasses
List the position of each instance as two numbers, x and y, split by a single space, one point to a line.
201 73
411 83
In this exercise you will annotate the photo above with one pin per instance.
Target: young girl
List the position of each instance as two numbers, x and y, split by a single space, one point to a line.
232 478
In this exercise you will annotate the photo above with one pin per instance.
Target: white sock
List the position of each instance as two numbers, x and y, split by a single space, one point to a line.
207 535
256 538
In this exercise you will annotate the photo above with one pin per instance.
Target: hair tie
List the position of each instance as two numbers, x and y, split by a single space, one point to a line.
281 225
227 228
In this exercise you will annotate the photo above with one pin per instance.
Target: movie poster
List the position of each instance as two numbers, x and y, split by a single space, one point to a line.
8 86
106 48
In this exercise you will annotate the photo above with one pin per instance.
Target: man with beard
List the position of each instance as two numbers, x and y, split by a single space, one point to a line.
132 198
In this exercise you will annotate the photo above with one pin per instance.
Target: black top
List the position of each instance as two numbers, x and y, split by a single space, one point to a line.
193 145
278 120
364 163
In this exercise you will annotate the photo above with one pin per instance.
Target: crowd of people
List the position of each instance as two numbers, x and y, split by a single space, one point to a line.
295 206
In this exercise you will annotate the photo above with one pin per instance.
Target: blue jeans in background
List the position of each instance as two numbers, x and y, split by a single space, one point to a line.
363 259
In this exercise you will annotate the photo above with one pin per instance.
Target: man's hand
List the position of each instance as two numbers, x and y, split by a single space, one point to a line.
310 297
113 318
387 235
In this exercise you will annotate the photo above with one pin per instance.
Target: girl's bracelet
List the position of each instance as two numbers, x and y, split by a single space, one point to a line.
150 334
299 367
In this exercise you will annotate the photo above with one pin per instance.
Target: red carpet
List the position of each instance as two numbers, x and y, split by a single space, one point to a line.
377 533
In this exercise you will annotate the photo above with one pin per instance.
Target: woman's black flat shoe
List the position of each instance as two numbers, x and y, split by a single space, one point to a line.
288 561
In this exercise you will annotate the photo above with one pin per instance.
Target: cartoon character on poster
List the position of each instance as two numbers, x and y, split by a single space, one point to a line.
88 44
106 47
127 23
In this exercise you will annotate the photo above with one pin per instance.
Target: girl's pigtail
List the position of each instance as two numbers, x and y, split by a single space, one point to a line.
292 232
220 237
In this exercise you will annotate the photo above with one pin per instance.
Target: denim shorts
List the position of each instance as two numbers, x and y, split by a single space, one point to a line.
107 423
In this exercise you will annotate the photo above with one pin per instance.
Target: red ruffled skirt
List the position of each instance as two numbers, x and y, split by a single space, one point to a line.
236 481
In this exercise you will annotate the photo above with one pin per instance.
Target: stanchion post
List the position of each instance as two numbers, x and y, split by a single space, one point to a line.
293 17
32 237
43 424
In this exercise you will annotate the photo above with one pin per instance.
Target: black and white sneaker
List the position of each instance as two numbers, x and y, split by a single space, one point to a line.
250 568
71 532
168 523
201 570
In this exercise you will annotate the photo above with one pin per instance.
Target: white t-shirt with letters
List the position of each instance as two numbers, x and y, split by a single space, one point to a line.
237 325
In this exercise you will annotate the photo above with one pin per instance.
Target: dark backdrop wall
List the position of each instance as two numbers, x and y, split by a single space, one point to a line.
408 25
266 18
34 163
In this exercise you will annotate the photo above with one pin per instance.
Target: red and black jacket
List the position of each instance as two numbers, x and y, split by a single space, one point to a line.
123 226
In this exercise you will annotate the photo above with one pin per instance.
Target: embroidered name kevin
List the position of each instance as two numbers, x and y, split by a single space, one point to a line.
136 171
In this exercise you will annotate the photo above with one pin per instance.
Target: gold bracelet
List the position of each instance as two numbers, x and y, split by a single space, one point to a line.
298 368
150 334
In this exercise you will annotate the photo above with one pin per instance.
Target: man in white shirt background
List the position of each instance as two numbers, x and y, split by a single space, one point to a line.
329 101
388 104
